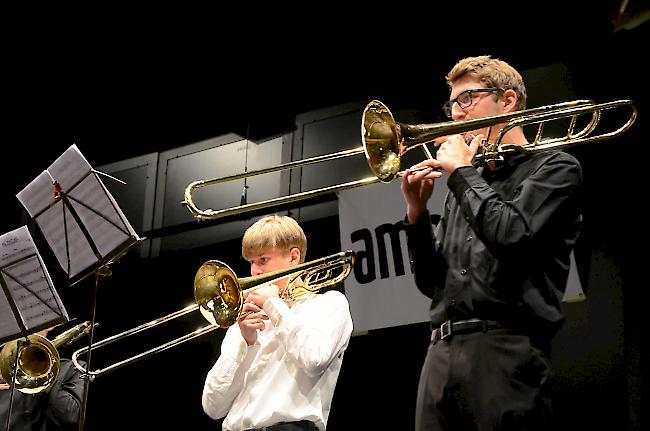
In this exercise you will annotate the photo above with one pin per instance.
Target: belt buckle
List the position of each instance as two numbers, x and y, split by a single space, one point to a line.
445 329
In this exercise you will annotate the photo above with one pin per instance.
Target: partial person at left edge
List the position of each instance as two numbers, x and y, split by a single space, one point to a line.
56 408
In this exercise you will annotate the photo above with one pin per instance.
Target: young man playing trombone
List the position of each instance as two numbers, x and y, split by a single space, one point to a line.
279 364
495 266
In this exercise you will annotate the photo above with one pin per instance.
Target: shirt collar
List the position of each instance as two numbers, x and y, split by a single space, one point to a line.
506 166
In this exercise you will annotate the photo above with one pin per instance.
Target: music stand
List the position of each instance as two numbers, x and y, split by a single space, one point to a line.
29 302
82 224
77 215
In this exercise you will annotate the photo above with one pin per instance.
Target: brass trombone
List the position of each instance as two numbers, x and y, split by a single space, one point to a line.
219 296
35 360
384 142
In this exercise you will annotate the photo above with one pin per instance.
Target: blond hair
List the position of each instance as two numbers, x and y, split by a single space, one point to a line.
274 231
493 73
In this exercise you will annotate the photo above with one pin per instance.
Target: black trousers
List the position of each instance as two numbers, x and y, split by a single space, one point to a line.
484 381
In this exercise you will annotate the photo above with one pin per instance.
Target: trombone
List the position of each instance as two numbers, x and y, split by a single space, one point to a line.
385 141
33 363
219 296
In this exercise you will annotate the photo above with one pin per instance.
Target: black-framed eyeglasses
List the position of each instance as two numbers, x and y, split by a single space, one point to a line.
466 98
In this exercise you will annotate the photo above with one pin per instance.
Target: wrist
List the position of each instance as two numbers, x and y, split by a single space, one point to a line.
415 214
459 165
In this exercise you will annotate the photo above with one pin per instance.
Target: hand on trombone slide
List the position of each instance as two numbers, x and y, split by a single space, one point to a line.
417 181
453 152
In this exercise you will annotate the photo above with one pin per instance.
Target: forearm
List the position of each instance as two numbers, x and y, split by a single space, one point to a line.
225 379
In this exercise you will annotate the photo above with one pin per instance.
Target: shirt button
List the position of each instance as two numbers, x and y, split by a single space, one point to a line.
463 271
469 237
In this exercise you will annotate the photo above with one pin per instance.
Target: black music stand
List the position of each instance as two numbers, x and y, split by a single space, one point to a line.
77 215
29 302
82 224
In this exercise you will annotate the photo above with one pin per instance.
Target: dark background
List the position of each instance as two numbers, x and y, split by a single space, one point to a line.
123 84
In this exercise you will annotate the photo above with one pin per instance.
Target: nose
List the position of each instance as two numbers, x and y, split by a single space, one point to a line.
256 269
457 113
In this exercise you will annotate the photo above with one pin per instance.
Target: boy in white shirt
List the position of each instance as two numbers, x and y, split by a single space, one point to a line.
279 364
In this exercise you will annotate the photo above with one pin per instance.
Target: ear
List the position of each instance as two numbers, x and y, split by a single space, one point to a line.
509 100
294 255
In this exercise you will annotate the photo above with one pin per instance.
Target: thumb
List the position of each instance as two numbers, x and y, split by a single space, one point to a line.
475 143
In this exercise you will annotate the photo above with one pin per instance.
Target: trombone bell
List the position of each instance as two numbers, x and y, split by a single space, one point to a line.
217 293
38 363
381 141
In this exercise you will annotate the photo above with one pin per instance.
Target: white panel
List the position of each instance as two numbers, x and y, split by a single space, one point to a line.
215 158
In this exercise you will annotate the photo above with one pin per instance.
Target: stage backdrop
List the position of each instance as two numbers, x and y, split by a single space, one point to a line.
381 290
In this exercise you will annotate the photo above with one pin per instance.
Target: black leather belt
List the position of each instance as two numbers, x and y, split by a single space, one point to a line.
303 425
449 328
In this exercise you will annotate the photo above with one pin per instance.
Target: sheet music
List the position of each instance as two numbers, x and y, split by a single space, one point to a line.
28 295
87 205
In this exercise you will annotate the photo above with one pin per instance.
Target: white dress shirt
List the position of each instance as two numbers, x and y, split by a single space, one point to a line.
291 374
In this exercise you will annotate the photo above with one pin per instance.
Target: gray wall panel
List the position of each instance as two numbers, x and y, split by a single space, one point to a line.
136 197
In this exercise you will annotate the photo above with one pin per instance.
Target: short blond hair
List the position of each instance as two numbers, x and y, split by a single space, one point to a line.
274 231
493 73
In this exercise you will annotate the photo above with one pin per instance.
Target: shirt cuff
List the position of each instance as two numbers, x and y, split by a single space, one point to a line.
242 351
249 353
462 179
424 220
275 308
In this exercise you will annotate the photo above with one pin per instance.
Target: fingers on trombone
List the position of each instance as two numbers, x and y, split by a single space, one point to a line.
251 307
251 311
440 140
253 317
476 144
428 169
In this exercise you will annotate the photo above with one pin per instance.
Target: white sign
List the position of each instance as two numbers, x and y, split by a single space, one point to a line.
381 290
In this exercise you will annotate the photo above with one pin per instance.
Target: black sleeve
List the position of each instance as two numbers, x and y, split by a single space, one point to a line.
546 200
427 263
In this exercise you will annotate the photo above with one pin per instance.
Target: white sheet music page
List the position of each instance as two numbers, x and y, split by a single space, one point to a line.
76 213
28 294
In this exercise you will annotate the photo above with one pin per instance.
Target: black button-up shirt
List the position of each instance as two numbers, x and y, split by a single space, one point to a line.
501 249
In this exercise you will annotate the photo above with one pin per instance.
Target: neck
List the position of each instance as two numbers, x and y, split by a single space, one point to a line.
514 136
